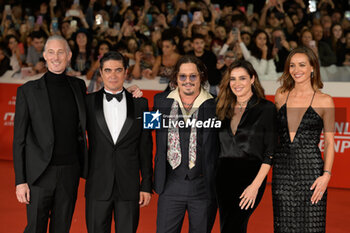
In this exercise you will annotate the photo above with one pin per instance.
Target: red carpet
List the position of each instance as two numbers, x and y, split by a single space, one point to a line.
13 218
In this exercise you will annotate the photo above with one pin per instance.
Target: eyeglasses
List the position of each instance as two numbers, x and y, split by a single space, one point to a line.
192 77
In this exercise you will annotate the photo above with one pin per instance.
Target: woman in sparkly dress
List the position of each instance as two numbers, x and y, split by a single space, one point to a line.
300 175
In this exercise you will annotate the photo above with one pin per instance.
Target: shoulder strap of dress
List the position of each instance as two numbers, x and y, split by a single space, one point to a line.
287 97
313 98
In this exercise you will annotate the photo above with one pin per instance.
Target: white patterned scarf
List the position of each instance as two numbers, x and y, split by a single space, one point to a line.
174 148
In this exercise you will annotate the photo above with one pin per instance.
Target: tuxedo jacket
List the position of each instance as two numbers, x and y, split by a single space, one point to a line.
122 162
33 140
208 146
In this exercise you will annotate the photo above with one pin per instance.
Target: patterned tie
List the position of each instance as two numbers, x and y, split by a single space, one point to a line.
110 96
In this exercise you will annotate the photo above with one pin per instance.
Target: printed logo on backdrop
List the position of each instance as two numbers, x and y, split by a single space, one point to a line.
341 132
155 120
9 117
151 120
341 137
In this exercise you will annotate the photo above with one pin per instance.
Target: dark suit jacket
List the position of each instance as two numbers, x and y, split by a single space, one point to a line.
121 162
209 146
33 129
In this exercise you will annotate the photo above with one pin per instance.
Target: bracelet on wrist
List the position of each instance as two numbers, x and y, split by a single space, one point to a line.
326 171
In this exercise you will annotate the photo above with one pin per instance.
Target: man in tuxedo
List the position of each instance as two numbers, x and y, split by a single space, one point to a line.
186 155
119 150
49 145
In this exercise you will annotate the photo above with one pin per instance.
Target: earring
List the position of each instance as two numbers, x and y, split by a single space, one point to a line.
312 75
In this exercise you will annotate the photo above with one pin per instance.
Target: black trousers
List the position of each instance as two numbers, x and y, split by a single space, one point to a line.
99 214
233 177
180 196
53 197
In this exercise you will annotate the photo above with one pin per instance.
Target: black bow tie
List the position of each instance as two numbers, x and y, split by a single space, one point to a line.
110 96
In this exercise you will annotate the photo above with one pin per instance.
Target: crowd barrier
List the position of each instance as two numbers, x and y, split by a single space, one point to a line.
340 91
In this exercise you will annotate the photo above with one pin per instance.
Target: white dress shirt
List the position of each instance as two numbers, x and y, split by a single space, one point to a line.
115 114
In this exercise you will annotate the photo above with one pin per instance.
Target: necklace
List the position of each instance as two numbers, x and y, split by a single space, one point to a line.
185 104
241 104
188 106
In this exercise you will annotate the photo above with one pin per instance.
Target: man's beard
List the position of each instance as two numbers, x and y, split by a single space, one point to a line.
190 92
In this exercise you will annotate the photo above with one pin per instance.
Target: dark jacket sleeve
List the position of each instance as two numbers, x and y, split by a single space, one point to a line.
83 134
20 131
270 136
145 151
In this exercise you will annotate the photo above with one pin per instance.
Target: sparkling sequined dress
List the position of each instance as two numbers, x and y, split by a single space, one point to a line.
296 166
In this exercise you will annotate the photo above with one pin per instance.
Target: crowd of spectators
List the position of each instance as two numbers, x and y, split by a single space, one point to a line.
153 34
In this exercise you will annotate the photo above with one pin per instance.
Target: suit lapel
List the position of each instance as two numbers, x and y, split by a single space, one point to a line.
130 111
100 117
79 99
165 108
205 113
43 99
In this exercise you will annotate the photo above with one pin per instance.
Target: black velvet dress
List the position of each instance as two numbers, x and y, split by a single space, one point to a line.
241 156
296 166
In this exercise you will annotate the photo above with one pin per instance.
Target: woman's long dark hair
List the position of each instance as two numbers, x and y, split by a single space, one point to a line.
7 41
336 43
96 54
227 99
255 51
75 52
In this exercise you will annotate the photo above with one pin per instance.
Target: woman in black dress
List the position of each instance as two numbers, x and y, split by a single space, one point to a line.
300 176
247 141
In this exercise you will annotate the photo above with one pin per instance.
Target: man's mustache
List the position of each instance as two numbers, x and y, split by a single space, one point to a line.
184 84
